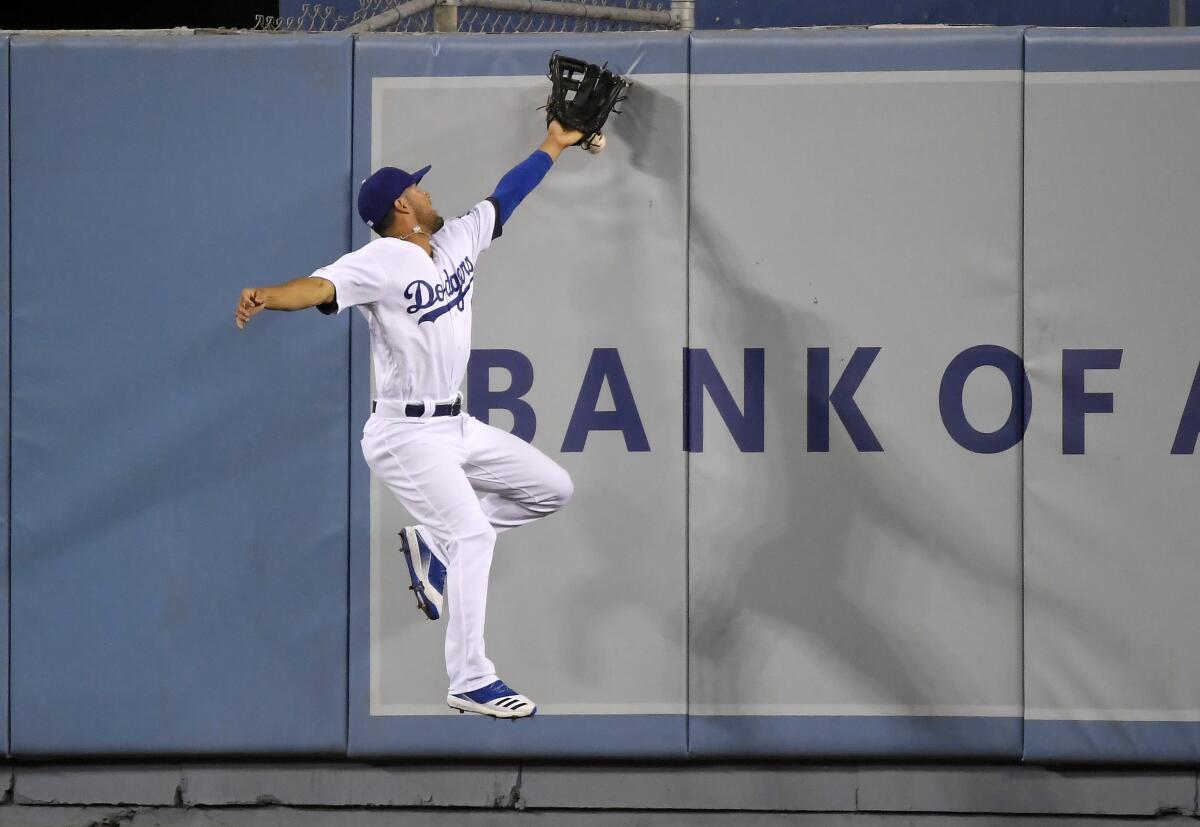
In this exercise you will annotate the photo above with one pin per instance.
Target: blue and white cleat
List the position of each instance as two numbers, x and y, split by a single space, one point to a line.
496 699
425 570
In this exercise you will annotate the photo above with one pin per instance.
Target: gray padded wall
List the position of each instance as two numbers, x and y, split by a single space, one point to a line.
854 190
1111 573
179 487
586 611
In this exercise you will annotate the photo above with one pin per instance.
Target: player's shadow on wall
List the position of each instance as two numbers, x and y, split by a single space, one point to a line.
787 571
645 118
799 565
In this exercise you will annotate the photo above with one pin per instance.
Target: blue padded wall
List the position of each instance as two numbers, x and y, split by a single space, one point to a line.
184 498
180 487
4 397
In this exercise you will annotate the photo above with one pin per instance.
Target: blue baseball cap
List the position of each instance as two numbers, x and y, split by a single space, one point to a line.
379 192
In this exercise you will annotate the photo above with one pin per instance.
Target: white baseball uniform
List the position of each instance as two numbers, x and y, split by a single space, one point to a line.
418 309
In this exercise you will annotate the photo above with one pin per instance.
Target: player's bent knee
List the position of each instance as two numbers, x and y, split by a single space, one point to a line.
478 534
560 487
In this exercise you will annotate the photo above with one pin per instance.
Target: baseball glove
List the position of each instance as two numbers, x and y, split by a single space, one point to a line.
582 95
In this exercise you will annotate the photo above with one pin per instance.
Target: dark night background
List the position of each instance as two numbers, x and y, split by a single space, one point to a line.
165 14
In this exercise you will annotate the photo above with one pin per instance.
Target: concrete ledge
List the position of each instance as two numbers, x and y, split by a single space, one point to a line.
282 816
352 785
838 794
124 784
1026 790
18 816
23 816
779 788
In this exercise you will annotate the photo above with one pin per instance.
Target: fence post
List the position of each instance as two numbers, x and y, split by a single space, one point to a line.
683 14
1178 12
445 16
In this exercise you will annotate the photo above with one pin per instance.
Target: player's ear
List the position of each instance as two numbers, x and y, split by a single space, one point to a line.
402 206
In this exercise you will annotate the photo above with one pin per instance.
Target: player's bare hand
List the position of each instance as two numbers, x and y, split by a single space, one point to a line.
252 302
562 136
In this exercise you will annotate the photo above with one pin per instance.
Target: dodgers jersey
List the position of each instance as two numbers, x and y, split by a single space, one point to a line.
418 307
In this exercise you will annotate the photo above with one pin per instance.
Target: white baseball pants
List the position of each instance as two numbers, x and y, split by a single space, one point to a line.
435 466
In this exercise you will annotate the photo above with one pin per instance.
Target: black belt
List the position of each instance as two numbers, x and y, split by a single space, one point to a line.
417 409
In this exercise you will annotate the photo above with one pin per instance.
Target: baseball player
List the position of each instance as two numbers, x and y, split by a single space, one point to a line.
414 285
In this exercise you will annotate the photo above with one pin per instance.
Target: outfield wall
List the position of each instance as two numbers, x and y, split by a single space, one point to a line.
866 351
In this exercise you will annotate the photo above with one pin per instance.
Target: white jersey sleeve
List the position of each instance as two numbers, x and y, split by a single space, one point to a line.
478 227
357 278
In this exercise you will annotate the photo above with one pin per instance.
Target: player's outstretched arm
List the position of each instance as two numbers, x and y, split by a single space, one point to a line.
293 295
519 181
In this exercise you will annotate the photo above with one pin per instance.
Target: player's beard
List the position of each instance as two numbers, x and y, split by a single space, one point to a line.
436 224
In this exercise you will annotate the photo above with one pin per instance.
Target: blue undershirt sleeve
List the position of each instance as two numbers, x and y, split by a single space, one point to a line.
517 183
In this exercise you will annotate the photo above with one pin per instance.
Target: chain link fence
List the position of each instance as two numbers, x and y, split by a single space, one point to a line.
485 16
491 22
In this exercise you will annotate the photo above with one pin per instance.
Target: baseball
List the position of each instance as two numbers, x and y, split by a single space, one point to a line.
597 146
